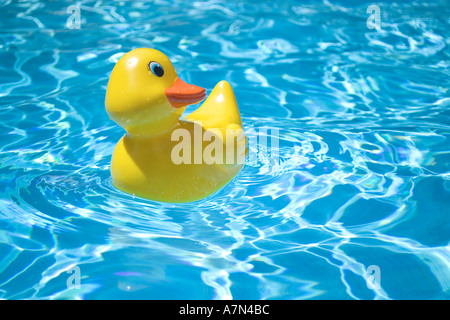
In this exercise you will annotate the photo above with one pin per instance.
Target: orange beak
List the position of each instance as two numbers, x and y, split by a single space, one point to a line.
182 94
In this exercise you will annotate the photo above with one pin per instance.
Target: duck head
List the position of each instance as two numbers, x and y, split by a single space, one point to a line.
145 95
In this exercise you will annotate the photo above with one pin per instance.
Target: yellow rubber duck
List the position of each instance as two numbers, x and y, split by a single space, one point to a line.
163 157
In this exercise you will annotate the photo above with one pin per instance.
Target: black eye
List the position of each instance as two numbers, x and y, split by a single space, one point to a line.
156 68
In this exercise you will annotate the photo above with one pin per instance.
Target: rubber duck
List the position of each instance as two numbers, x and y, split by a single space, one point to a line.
162 156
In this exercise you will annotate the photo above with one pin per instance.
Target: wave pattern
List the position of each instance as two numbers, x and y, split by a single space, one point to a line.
361 178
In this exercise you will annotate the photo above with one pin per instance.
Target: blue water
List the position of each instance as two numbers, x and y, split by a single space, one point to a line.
361 182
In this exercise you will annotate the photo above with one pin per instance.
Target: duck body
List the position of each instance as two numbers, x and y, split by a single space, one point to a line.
163 157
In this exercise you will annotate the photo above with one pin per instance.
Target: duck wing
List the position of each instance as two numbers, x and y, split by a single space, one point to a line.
220 110
220 113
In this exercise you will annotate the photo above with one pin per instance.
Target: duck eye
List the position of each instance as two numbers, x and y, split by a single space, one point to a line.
156 68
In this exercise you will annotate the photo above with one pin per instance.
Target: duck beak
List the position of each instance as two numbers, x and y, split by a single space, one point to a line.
182 94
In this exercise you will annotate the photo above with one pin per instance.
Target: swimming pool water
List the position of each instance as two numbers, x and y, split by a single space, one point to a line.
361 187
